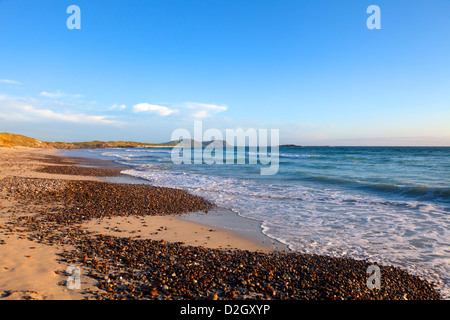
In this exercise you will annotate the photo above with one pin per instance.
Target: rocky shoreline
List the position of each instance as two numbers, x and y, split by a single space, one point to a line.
128 268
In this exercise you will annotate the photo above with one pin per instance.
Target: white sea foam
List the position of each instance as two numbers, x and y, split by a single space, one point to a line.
407 234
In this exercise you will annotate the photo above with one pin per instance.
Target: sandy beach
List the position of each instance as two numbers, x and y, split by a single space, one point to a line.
30 270
134 241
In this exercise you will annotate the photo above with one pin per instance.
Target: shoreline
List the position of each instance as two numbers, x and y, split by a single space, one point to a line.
47 212
19 270
245 231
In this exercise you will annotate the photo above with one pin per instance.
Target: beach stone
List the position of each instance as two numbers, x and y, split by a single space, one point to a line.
135 268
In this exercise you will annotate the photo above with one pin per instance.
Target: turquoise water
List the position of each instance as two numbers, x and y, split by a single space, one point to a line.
385 204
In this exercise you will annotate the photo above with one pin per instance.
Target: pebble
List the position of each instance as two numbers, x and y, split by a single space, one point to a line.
79 171
127 268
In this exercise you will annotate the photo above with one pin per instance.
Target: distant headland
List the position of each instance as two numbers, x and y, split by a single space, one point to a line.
16 140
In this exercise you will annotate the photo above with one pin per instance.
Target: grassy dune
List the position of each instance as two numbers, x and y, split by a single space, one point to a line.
15 140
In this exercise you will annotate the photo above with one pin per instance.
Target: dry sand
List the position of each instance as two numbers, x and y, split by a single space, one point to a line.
30 270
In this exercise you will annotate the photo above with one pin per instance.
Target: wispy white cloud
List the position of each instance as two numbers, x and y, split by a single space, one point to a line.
206 106
117 107
161 110
14 82
194 110
16 109
78 117
59 94
200 114
77 111
204 110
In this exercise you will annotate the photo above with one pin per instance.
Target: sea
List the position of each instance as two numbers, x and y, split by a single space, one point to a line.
389 205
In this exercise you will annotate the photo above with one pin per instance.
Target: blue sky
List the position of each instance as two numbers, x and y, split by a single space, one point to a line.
137 70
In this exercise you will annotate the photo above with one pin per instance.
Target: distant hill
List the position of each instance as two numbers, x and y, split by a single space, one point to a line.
290 146
16 140
115 144
192 143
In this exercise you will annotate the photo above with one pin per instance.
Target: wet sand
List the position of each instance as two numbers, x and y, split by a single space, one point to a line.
127 238
31 270
174 228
